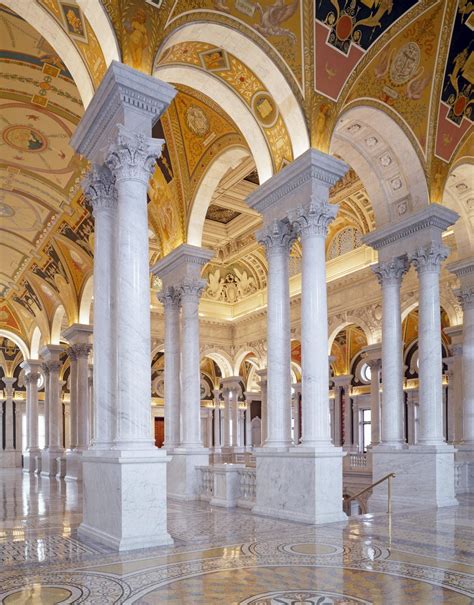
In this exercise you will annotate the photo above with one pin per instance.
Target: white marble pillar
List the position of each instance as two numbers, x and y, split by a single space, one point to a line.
262 374
90 382
311 222
99 189
170 299
390 276
131 160
466 296
54 448
342 387
296 389
454 394
248 424
190 293
9 417
217 420
299 192
32 377
78 336
20 408
115 130
427 261
374 361
278 237
231 391
412 419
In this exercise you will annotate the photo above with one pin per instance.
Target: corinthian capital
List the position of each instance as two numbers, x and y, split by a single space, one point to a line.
429 258
466 297
133 156
79 350
99 188
391 272
277 237
169 297
313 219
191 289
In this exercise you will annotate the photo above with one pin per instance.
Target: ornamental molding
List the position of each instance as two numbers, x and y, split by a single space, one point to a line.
391 272
429 258
462 267
133 156
169 297
312 219
434 216
179 258
99 188
79 350
312 167
191 289
465 296
123 92
277 237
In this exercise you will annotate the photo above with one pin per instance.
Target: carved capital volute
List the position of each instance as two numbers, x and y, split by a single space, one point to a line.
169 297
133 156
277 237
313 220
391 272
99 189
190 290
428 259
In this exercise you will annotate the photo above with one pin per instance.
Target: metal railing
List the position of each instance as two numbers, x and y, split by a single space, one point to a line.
389 477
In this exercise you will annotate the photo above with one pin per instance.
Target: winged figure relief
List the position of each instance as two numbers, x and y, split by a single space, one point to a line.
271 18
245 284
216 284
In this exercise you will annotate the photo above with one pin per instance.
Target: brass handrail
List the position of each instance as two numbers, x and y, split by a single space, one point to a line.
389 477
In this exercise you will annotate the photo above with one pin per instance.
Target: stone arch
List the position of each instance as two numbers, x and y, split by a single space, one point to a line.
86 299
239 358
221 359
35 343
56 324
230 102
99 20
20 343
350 322
458 195
53 33
252 55
229 158
384 158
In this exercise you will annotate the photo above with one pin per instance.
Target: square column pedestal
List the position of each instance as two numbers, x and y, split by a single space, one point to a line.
74 465
424 477
49 464
302 484
29 460
124 499
464 480
183 478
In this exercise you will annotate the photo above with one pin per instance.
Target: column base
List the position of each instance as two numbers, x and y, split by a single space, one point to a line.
464 468
302 484
183 480
125 498
8 459
73 465
424 477
29 460
49 463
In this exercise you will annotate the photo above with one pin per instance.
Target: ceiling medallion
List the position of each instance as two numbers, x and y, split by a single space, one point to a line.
197 121
6 210
25 138
264 108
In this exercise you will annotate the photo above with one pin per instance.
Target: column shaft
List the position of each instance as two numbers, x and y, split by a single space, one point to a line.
278 238
390 275
83 427
430 425
73 396
171 302
190 292
467 299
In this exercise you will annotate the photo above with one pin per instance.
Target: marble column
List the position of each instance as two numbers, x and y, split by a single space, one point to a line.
54 447
217 420
262 374
427 261
248 424
296 388
227 441
90 382
32 375
115 131
412 419
181 269
278 237
8 455
342 386
170 299
454 393
78 336
231 391
390 276
100 191
300 194
464 269
311 222
373 356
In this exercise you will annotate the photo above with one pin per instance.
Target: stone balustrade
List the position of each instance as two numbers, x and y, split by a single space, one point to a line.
227 485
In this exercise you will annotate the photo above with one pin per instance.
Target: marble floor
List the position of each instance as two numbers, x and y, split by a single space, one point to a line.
230 557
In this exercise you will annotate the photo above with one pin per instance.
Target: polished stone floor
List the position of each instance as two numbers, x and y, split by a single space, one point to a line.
231 557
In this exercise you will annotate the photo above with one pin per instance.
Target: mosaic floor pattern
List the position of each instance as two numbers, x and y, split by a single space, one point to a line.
229 557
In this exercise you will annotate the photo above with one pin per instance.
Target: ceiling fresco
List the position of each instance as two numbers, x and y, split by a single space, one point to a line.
346 346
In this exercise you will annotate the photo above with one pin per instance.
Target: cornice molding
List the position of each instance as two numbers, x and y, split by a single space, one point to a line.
181 256
434 216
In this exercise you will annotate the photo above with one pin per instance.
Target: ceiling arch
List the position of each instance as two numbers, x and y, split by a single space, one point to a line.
253 56
459 196
17 340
